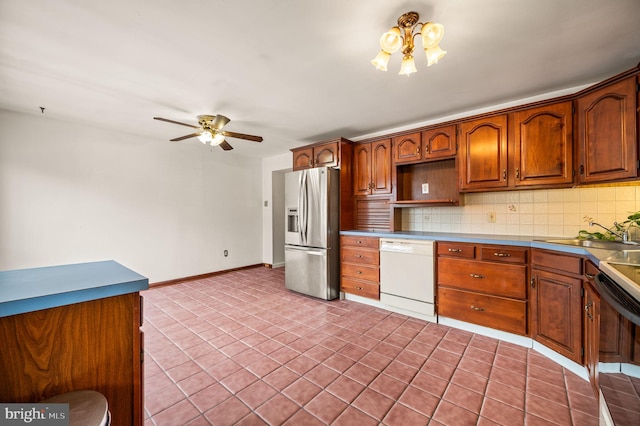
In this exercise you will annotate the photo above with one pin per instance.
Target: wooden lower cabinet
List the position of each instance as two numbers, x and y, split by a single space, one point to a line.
360 266
556 302
483 284
89 345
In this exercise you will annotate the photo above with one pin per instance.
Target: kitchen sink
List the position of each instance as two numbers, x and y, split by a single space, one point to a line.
596 244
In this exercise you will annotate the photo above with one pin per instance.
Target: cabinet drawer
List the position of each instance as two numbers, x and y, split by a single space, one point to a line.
467 251
489 311
484 277
556 260
350 240
360 288
503 254
363 272
360 255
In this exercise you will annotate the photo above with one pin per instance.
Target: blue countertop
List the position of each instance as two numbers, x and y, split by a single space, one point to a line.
28 290
595 255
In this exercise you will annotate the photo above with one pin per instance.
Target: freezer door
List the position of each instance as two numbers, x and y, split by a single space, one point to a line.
307 271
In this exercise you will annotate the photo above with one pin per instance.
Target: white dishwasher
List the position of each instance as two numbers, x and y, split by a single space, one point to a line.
407 275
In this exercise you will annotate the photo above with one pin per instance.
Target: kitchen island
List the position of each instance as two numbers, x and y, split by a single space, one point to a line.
73 327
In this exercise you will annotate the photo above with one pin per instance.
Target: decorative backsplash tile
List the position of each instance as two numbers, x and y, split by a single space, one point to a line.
539 213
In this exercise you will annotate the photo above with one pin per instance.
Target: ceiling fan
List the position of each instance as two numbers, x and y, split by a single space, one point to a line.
210 131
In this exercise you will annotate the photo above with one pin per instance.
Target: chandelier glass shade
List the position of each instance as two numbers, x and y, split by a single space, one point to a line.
210 137
402 37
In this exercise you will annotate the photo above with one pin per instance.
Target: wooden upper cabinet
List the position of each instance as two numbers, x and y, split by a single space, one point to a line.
372 168
483 153
439 142
324 155
607 144
543 145
327 155
303 158
407 148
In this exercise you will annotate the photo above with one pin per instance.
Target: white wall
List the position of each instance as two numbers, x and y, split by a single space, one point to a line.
278 163
71 193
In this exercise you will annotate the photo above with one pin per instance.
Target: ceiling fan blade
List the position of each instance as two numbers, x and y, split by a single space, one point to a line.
219 122
176 122
192 135
243 136
225 145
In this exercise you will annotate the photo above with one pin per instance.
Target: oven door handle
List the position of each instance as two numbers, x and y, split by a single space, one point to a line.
618 298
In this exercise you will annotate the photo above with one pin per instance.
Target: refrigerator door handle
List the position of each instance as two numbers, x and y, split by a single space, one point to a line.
307 250
303 207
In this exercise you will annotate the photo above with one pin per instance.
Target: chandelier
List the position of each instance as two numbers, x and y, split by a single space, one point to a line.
401 37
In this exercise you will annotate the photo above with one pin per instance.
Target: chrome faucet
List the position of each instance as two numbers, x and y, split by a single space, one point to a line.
624 235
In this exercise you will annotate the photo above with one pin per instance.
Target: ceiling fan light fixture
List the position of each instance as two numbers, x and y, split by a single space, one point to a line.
218 138
401 37
206 136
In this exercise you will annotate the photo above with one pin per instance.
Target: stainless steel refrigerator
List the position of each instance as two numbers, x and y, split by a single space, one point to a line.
312 234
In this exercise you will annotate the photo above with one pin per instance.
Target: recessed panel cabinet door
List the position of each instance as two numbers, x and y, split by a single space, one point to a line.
483 153
407 148
556 313
439 143
607 145
302 159
362 169
544 145
381 167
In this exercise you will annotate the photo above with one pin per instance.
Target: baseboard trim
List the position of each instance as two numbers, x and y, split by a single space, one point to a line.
202 276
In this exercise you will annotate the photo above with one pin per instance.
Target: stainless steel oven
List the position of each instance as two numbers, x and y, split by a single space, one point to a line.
619 383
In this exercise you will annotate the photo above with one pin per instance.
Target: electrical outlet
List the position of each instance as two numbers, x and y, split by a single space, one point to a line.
491 217
426 218
425 188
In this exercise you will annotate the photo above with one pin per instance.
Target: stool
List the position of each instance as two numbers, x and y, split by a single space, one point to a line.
86 407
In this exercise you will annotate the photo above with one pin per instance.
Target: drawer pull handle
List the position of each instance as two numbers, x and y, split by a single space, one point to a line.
502 254
359 288
476 276
590 276
358 242
475 308
452 250
358 255
358 272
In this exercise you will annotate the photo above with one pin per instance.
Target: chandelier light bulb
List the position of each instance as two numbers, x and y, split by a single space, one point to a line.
408 66
381 60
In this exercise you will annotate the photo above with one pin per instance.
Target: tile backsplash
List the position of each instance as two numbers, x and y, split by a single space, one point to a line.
539 213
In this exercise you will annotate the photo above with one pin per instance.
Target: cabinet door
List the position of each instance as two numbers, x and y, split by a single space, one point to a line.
483 152
326 155
381 167
607 144
302 158
556 313
407 148
544 145
591 323
439 143
362 169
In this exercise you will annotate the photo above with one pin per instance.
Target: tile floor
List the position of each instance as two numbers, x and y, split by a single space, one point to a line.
238 348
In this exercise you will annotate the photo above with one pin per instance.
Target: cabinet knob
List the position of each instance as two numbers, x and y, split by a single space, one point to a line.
504 174
358 255
502 254
418 150
358 272
476 276
358 288
533 283
475 308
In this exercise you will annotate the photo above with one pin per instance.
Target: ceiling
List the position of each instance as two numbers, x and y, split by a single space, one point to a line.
294 71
